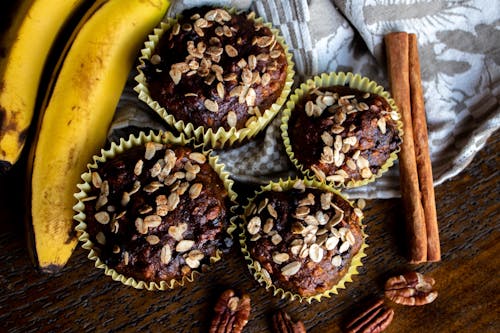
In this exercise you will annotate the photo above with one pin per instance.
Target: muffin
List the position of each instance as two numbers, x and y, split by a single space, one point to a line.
342 129
302 239
153 211
215 73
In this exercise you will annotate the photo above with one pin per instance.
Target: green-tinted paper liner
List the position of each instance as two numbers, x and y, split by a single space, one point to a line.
255 268
355 81
110 153
220 138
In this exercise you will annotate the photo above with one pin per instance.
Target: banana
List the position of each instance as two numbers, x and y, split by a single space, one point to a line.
33 30
78 113
11 17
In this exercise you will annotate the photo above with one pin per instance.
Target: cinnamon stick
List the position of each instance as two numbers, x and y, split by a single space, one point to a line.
397 50
422 155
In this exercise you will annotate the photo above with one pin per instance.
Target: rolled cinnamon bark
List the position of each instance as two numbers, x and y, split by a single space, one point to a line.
423 160
397 51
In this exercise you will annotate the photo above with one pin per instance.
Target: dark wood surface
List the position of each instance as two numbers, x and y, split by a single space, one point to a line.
82 299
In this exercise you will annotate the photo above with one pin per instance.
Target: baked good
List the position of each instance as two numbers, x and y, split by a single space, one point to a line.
343 135
302 239
216 69
156 213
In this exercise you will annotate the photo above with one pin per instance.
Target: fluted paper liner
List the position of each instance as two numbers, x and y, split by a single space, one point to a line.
355 81
221 137
113 151
255 267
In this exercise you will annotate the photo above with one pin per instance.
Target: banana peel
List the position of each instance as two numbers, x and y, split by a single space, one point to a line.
75 122
27 42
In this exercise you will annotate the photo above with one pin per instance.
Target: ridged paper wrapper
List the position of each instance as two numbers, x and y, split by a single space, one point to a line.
114 151
221 138
255 267
351 80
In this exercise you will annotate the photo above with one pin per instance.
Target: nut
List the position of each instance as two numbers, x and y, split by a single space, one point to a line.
231 313
375 319
282 323
411 289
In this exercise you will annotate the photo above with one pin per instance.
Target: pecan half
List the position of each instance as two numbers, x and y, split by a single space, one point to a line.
282 323
231 313
374 319
410 289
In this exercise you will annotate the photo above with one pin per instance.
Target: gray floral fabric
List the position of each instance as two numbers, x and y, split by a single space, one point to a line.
459 49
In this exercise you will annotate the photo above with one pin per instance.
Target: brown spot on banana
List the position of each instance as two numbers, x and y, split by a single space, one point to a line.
11 124
71 161
2 116
7 123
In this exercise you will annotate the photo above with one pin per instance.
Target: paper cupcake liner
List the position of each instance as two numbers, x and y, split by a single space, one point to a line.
255 267
355 81
220 138
113 151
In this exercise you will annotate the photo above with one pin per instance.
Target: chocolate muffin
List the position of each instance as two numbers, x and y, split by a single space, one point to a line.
156 212
343 135
302 239
215 68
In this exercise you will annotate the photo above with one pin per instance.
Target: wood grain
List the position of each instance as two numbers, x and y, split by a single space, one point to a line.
82 299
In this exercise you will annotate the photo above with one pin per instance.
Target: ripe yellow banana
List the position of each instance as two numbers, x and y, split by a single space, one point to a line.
75 122
28 41
11 18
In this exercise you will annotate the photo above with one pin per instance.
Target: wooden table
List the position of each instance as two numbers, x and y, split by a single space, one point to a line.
82 299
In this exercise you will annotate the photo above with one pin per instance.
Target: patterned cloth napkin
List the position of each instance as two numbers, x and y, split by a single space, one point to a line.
459 46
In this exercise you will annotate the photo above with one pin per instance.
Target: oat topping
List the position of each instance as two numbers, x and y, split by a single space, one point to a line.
143 202
291 268
101 238
232 54
318 230
356 133
102 217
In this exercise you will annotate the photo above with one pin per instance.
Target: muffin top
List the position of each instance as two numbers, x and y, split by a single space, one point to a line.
343 134
156 212
216 69
303 238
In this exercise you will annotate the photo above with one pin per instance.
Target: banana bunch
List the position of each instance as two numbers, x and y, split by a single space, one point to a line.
73 111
